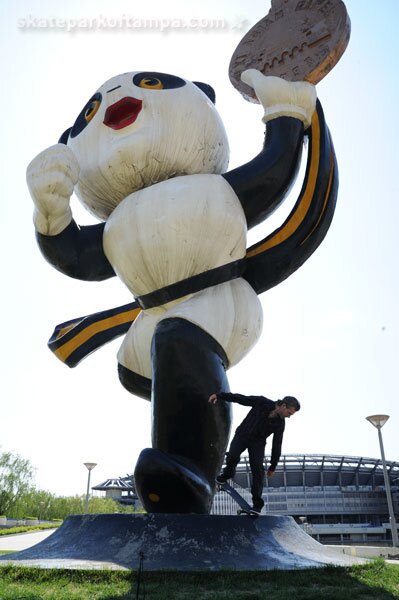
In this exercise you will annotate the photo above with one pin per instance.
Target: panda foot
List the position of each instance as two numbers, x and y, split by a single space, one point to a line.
165 485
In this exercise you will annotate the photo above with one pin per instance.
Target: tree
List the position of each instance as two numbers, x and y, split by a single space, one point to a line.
19 498
15 480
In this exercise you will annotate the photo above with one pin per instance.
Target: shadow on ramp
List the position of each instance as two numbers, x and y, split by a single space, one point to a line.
180 542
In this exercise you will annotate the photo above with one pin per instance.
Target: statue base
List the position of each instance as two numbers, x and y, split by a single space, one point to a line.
181 542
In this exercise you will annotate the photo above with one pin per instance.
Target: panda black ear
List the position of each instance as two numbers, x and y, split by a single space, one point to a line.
207 89
64 138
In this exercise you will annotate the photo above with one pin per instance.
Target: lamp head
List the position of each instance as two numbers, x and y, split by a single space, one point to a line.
90 465
378 420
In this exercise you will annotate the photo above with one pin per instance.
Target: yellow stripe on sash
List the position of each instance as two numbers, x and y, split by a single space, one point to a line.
300 213
332 169
64 351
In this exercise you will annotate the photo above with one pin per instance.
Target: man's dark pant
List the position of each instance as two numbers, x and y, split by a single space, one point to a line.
256 451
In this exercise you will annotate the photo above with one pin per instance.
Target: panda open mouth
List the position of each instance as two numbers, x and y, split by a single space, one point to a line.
122 113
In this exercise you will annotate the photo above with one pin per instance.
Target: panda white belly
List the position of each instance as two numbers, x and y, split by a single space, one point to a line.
174 230
169 232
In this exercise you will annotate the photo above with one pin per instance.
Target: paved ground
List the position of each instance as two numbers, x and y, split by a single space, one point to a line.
21 541
389 553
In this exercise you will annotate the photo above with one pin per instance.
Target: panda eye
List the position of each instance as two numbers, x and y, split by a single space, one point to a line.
151 83
152 80
91 110
86 115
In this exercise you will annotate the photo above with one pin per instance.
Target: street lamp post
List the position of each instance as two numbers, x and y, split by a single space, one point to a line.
379 421
89 466
305 525
41 506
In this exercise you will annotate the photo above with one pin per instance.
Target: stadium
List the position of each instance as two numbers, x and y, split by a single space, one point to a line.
336 499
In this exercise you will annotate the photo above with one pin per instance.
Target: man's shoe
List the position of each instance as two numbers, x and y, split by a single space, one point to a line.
256 509
222 478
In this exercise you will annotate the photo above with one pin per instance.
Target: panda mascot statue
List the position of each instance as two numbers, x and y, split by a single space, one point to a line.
148 156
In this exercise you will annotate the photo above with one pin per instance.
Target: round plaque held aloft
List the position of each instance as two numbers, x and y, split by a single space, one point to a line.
297 40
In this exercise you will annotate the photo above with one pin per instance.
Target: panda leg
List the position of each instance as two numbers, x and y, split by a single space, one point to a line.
134 383
189 434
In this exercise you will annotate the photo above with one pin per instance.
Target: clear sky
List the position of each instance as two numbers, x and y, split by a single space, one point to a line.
331 331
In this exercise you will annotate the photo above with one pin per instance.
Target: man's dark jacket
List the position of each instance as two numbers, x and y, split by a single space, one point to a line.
257 425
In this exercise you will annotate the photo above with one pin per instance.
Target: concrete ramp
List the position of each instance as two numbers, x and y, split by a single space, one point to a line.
182 542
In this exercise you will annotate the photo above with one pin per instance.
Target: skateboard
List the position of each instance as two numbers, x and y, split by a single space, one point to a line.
243 504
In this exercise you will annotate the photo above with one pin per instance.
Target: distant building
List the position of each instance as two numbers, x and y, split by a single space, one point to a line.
337 499
120 489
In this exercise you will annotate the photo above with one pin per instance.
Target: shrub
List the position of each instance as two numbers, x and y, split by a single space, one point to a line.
25 528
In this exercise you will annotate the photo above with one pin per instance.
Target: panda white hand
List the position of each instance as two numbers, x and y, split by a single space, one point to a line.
282 98
51 178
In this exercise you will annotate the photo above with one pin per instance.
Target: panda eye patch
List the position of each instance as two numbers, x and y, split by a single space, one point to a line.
91 110
151 80
86 114
151 83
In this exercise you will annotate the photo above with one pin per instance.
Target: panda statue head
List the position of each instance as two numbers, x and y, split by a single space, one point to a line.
141 128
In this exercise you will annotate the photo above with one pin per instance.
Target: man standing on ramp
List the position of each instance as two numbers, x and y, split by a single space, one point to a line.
265 418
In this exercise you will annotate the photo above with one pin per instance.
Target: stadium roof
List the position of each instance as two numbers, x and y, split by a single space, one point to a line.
115 484
325 470
332 461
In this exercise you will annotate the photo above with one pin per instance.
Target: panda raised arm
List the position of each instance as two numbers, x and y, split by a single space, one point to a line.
262 184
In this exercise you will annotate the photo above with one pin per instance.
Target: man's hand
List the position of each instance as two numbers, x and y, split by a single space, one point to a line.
213 399
51 178
270 473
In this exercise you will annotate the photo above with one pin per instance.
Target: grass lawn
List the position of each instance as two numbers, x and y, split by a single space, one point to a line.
376 580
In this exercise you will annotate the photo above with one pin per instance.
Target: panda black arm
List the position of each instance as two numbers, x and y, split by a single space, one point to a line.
276 257
77 252
262 184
